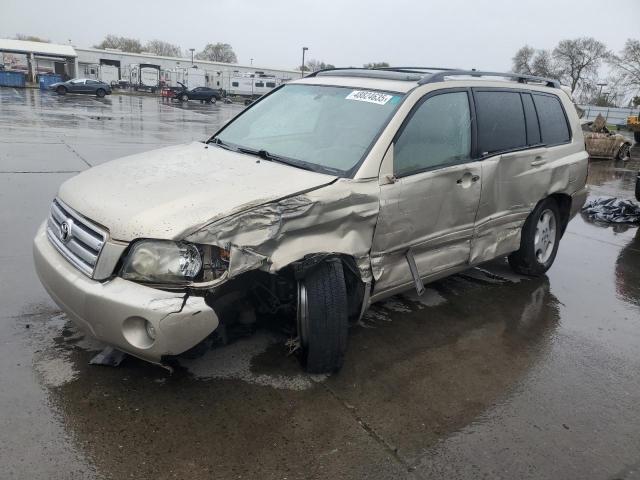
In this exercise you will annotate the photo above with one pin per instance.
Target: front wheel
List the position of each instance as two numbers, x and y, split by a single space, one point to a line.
61 90
184 98
636 136
624 152
539 240
322 318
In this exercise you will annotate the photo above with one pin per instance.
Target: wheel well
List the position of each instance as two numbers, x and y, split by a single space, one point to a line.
564 206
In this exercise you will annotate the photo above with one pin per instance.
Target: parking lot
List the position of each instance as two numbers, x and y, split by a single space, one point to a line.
487 375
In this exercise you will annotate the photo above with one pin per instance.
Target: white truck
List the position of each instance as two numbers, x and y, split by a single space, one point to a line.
145 76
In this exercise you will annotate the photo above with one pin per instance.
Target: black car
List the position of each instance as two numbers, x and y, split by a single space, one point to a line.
82 85
204 94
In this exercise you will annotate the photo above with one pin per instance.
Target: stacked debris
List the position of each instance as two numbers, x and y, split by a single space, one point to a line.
612 210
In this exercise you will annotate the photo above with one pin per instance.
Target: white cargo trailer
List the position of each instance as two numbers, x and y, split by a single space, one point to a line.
109 74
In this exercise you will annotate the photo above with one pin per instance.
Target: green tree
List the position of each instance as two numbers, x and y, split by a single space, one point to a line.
218 52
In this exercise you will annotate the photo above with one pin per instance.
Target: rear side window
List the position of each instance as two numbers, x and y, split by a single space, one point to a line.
531 118
501 124
553 123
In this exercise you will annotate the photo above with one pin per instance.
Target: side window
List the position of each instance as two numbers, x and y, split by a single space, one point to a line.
235 84
259 84
553 123
271 85
438 133
531 118
501 124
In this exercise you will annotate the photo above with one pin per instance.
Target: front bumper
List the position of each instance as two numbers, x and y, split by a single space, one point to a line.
116 311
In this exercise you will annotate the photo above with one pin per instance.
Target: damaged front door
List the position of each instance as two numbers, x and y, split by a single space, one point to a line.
431 203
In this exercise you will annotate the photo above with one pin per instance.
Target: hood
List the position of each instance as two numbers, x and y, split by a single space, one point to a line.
169 192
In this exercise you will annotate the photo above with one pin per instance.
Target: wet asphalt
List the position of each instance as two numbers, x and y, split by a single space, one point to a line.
488 375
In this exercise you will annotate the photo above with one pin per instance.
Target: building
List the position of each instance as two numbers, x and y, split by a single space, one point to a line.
40 58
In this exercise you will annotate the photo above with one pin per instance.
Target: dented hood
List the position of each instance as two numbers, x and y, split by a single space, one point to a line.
169 192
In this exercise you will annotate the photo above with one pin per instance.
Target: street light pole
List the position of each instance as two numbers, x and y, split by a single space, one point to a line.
252 62
192 50
304 49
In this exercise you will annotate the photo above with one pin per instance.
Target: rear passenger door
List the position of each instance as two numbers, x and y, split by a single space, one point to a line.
517 163
430 206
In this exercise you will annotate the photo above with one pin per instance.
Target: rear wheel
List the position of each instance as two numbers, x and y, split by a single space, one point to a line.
212 100
322 317
100 93
539 240
61 90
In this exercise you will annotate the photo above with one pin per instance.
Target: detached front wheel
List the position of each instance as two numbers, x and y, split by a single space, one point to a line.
322 318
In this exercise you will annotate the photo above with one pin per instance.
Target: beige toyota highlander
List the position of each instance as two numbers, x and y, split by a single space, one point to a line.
328 194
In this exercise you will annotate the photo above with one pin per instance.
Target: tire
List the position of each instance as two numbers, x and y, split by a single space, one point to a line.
100 93
212 100
184 97
638 187
61 90
636 136
623 152
534 259
323 318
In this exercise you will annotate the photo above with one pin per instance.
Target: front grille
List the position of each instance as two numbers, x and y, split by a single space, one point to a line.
76 238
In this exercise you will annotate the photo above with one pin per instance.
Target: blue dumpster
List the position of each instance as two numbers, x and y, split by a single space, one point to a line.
46 80
12 79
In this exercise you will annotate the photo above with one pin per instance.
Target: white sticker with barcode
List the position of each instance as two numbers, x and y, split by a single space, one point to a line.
369 96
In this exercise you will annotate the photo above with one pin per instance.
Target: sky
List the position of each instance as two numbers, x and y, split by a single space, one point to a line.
482 34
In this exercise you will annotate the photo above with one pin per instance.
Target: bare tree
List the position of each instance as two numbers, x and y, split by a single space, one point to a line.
315 65
627 64
376 65
530 61
162 48
523 60
579 59
218 52
31 38
131 45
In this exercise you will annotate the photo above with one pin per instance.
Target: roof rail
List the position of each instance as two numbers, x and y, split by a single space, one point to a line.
390 74
521 78
416 69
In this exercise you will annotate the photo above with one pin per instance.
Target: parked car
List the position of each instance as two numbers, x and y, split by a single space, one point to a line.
82 85
325 195
204 94
602 143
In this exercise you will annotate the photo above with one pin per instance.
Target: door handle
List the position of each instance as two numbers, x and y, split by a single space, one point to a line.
538 161
467 179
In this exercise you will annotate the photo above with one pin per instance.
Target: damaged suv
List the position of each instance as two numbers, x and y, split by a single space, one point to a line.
328 194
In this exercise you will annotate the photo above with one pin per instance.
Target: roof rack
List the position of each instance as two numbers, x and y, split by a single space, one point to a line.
521 78
425 75
392 74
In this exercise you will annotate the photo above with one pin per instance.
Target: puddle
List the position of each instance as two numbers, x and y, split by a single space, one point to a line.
238 362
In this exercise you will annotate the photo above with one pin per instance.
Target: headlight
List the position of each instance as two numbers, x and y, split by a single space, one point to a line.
161 261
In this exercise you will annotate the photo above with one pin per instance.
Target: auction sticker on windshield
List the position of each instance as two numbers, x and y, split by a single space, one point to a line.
369 96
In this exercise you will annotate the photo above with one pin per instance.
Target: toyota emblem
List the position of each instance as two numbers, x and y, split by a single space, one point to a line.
65 231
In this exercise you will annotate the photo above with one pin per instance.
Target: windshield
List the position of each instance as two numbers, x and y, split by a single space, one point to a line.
323 128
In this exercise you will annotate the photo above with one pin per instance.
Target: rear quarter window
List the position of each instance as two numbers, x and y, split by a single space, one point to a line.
501 123
553 122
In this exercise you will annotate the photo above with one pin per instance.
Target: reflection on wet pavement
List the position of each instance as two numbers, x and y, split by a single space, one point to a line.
488 374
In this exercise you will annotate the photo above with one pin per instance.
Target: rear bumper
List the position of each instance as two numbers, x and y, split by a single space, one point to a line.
116 311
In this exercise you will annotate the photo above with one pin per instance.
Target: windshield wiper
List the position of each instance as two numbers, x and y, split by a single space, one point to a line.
265 155
221 144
